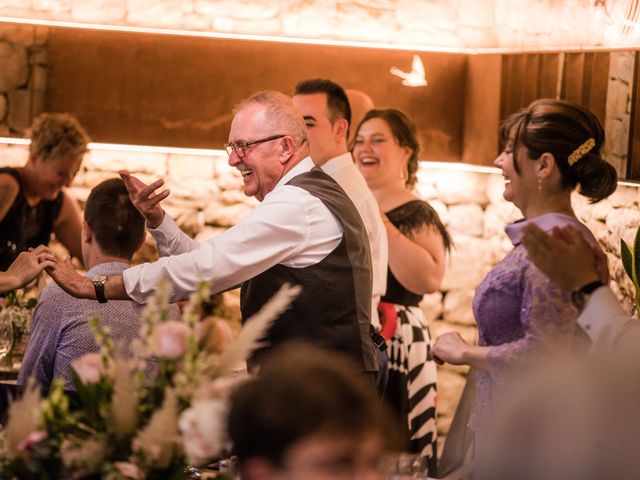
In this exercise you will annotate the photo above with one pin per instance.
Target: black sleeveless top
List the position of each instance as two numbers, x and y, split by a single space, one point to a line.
24 226
407 217
333 309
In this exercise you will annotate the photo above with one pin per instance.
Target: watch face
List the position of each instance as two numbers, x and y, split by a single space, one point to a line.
100 278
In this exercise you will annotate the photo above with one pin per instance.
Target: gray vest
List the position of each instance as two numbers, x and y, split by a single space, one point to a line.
333 311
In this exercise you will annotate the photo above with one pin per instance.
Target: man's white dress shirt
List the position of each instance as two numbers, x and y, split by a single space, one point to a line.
289 227
609 327
344 171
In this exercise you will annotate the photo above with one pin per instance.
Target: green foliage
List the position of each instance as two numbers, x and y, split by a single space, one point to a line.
631 263
42 464
56 418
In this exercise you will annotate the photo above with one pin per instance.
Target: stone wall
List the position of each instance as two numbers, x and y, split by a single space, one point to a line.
618 112
207 198
432 23
23 76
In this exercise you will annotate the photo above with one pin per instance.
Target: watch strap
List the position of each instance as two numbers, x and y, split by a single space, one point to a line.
578 297
98 285
589 288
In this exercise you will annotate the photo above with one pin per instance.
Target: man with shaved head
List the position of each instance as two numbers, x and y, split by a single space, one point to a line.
361 103
305 231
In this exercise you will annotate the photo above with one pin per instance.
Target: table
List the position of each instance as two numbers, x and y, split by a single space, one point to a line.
9 372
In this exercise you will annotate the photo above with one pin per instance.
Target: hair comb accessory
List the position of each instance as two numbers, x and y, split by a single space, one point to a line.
581 151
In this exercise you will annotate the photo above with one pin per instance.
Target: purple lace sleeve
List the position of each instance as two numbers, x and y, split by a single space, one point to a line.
548 318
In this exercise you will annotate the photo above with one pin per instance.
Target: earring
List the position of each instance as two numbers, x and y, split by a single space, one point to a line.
539 186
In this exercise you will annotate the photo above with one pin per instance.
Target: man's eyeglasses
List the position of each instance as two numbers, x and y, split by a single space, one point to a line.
241 147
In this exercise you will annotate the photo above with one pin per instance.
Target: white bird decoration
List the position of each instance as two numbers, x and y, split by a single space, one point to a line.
414 78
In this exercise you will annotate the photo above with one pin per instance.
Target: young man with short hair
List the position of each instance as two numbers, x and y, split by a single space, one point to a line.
112 232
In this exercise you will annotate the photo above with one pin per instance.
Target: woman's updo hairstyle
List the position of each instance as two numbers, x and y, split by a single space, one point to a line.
561 128
404 131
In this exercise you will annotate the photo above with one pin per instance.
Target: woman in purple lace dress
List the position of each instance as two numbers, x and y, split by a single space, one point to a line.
550 148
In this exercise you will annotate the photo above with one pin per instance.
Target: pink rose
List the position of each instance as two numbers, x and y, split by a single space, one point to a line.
170 339
204 430
34 438
89 368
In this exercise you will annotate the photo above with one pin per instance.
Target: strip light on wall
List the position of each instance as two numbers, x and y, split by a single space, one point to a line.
116 147
462 167
221 153
450 166
308 41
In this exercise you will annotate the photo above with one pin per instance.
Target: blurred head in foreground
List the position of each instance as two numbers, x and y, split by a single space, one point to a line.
307 416
570 418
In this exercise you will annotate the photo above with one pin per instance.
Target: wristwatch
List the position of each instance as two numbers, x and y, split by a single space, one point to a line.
98 284
579 297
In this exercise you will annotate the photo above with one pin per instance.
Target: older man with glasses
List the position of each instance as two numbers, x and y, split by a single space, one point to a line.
305 231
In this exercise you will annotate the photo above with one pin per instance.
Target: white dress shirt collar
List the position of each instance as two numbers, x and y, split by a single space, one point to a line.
337 163
304 165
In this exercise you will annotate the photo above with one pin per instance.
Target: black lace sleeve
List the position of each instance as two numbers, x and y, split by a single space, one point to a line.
415 214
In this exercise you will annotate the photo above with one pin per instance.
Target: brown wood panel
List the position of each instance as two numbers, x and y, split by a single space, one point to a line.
482 109
525 78
586 79
599 84
179 91
548 76
573 78
505 84
514 78
633 165
531 84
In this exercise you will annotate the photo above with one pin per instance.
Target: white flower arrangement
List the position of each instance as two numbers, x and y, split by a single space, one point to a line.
126 427
18 313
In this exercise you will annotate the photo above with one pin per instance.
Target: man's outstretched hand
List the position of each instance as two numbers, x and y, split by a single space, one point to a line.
71 281
145 198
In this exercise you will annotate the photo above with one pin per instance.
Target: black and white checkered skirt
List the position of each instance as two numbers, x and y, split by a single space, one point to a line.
411 390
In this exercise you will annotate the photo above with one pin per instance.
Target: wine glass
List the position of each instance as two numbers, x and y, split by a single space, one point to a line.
404 466
6 338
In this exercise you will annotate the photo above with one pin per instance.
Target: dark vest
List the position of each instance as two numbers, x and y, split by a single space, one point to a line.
24 226
333 310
